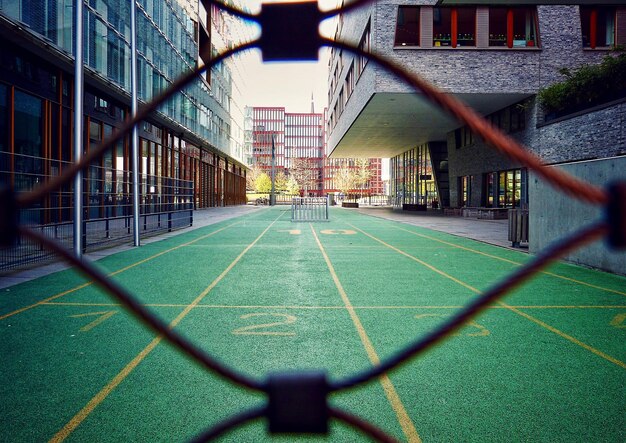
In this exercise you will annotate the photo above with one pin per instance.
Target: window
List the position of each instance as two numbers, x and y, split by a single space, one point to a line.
28 140
598 26
454 27
488 180
513 27
5 159
442 27
509 188
407 26
517 118
364 45
463 137
350 81
465 190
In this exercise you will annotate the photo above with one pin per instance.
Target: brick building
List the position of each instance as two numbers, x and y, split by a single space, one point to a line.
493 57
501 57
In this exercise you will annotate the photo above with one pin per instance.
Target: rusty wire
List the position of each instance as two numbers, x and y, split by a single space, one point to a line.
498 140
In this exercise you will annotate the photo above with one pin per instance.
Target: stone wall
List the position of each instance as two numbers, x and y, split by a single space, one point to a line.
596 133
484 70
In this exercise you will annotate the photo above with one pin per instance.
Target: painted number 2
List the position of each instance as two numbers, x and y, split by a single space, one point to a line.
266 328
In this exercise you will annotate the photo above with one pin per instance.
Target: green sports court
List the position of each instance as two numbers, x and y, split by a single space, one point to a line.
264 294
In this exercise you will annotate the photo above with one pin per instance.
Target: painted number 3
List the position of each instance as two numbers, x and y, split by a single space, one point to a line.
266 328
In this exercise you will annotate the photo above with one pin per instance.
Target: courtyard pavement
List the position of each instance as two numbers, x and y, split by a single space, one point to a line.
494 232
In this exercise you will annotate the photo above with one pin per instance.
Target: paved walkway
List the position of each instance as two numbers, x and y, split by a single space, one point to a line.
201 217
494 232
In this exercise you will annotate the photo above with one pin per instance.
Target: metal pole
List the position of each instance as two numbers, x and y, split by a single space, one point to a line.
78 128
135 135
273 191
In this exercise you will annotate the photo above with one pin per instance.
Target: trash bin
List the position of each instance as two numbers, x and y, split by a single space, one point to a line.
518 226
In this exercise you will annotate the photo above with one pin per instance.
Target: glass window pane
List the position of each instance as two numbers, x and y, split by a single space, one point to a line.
524 27
585 24
442 27
4 117
466 26
497 26
407 26
28 141
606 27
4 137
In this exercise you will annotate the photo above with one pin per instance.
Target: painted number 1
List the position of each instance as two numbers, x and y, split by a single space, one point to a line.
102 316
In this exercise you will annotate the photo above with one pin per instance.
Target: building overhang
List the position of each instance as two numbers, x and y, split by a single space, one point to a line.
391 123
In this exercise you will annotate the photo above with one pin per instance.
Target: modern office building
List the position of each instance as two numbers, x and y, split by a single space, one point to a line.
295 140
265 127
299 143
493 57
186 149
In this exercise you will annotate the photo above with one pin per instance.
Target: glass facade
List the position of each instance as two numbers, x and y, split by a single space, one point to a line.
412 178
36 119
167 47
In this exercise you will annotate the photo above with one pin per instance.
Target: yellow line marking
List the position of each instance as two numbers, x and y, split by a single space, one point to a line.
254 329
567 337
54 297
84 285
392 396
102 317
618 321
523 314
552 274
182 305
100 396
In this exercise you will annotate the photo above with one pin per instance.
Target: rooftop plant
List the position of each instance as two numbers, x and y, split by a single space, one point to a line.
587 86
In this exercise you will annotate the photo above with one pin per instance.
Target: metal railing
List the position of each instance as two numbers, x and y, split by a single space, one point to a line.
165 204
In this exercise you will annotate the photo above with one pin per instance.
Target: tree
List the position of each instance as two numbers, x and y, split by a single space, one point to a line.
363 173
263 184
305 172
280 181
251 177
345 178
292 187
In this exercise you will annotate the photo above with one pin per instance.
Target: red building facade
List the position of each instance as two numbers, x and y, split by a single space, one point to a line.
300 151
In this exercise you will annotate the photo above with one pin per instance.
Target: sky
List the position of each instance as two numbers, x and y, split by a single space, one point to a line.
285 84
288 84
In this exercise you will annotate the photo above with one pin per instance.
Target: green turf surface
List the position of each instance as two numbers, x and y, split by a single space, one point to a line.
546 364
